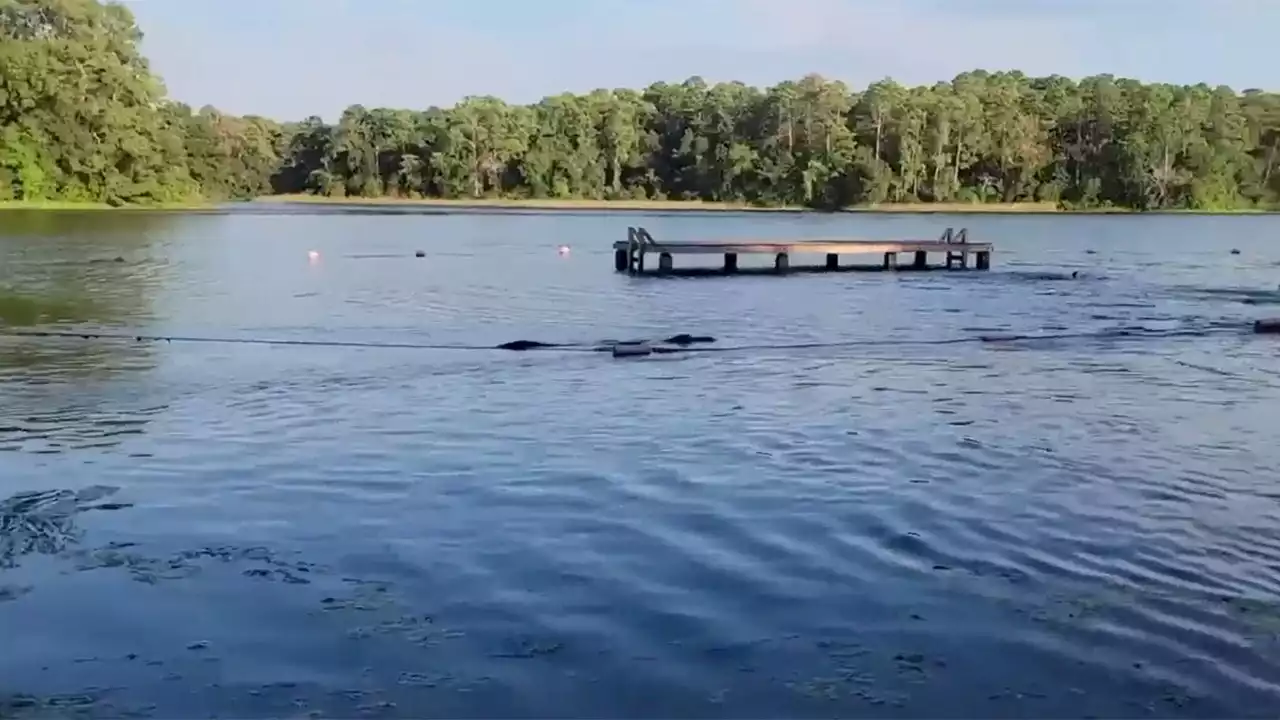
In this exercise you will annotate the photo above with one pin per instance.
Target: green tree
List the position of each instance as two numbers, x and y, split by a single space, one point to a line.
73 83
82 118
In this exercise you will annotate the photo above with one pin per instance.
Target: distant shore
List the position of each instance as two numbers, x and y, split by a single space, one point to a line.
662 205
1019 208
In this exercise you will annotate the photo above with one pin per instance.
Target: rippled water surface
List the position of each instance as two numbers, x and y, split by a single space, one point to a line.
1081 523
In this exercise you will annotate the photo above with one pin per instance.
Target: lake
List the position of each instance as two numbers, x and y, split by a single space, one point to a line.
899 520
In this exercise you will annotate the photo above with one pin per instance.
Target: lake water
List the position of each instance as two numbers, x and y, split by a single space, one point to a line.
887 524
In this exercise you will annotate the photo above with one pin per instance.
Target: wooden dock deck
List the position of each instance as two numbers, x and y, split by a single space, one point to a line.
629 255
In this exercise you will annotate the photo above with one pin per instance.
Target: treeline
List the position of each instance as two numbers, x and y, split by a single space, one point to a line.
83 118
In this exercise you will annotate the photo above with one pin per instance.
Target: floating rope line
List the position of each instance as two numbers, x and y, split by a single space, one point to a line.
682 343
66 334
1012 338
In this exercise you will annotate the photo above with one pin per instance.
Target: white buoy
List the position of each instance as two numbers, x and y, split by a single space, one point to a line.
313 255
563 250
631 349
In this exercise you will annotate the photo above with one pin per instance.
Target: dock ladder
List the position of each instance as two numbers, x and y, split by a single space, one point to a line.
951 237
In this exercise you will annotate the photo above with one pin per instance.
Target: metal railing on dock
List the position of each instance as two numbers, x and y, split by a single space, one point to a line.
629 255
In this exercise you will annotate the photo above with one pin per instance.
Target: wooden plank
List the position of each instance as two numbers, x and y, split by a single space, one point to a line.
839 247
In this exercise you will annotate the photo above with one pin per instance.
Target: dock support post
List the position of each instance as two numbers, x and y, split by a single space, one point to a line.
921 261
664 262
891 261
983 260
620 260
833 261
634 252
781 262
731 262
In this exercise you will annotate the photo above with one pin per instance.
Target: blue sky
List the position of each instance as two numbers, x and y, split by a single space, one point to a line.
291 58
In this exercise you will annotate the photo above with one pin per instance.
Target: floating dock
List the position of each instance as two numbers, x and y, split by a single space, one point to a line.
954 246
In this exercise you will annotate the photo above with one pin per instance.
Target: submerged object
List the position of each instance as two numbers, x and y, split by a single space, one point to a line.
687 339
1268 326
524 345
638 348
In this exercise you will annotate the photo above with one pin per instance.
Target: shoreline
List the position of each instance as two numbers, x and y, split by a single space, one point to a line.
650 205
1017 208
672 206
527 203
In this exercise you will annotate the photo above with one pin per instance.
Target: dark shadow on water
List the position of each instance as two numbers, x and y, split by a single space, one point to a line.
44 522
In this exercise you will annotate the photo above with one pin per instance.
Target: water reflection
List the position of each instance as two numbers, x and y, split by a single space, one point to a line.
87 224
81 269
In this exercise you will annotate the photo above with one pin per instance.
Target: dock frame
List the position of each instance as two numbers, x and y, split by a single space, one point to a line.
629 255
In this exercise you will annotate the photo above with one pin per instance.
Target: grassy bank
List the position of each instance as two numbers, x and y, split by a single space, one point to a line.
528 203
1029 207
1026 208
664 205
1017 208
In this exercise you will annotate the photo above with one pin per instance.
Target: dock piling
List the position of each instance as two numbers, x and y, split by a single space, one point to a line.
891 261
833 261
731 262
781 262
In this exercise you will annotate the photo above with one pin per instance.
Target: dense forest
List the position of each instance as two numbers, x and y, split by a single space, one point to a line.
83 118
